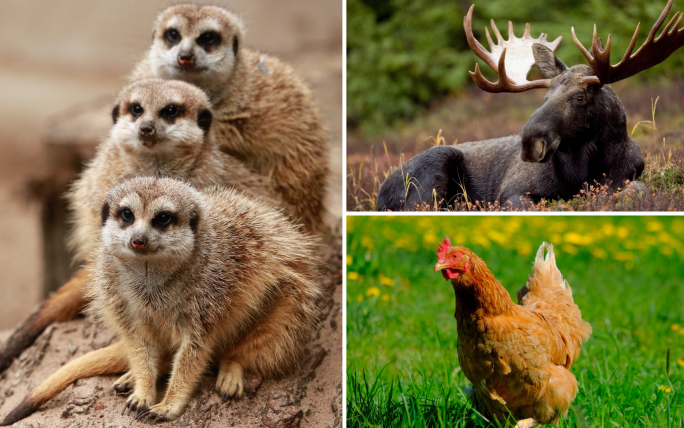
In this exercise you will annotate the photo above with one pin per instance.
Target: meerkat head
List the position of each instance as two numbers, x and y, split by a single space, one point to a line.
196 43
152 219
157 117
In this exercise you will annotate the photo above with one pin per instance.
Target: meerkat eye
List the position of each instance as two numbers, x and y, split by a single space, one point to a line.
135 110
171 112
208 39
163 220
126 215
172 36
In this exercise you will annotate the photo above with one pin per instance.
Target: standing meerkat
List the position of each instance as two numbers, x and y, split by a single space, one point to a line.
161 128
264 113
188 278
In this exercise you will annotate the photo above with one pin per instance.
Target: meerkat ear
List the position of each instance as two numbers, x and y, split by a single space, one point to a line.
115 113
194 221
104 215
235 45
204 119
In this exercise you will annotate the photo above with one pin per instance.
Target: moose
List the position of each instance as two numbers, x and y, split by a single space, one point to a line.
579 135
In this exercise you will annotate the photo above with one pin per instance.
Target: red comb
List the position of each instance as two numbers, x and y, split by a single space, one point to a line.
443 248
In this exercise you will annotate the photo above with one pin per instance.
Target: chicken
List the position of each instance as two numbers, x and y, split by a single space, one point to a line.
518 357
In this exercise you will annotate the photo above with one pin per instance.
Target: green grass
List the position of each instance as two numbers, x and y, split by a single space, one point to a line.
626 276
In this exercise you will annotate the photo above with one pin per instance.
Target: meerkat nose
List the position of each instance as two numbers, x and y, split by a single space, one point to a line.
186 59
146 129
139 242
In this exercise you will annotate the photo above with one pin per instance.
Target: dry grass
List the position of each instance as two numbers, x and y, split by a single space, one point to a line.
660 141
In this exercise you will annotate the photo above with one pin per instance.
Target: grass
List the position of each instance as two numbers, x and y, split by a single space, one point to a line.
478 116
626 276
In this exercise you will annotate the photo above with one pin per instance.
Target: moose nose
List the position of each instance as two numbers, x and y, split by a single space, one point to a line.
186 59
533 150
139 242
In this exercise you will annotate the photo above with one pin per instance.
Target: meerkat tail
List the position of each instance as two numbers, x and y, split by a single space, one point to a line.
63 305
109 360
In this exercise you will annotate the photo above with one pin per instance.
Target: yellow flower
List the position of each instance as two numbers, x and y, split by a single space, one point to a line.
385 280
654 226
385 298
359 298
352 276
373 291
622 232
665 389
599 253
623 257
349 260
577 239
680 362
676 327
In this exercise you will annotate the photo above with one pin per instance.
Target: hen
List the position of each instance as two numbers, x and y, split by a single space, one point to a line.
517 357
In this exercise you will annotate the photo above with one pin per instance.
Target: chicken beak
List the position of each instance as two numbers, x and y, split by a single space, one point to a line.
441 266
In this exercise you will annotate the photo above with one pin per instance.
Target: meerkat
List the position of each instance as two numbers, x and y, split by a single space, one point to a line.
264 113
188 278
161 128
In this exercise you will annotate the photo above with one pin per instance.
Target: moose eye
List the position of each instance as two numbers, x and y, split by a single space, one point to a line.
171 112
579 98
135 110
163 220
208 39
172 36
126 215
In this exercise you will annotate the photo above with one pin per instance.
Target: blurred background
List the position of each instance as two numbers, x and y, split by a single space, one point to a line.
407 69
61 54
625 275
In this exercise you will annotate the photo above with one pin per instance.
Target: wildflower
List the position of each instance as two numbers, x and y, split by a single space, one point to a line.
349 259
666 389
599 253
385 298
352 276
680 362
654 226
373 291
676 327
359 298
385 280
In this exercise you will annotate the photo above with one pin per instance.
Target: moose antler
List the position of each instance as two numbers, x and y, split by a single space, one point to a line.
513 69
652 52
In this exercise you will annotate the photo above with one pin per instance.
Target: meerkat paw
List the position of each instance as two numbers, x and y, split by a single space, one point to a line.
139 403
161 412
230 381
124 385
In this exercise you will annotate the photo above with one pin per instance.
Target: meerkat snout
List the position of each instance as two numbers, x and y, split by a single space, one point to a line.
186 59
139 242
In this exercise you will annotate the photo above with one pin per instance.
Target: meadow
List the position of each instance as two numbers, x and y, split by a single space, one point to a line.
626 276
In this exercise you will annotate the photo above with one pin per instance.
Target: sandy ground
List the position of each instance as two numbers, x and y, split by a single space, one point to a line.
61 53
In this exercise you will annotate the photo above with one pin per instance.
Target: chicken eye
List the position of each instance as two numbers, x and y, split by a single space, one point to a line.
208 39
163 220
171 112
126 215
172 36
136 110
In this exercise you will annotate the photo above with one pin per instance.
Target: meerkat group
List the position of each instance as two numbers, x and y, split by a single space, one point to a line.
227 140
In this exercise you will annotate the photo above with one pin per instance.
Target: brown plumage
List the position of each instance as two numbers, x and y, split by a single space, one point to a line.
518 357
265 114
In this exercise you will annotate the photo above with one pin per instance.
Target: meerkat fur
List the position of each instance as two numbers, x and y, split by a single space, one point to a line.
161 128
264 113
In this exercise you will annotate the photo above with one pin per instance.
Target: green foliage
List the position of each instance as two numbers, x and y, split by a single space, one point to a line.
625 273
403 55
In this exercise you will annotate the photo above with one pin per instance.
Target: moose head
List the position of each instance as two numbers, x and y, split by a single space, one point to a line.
578 101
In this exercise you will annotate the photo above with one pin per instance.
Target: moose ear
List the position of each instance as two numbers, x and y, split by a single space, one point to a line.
104 214
548 63
204 118
115 113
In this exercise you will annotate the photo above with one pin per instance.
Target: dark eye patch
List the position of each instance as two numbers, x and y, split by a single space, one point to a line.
163 220
209 39
235 45
171 112
204 119
126 215
172 36
104 214
135 109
